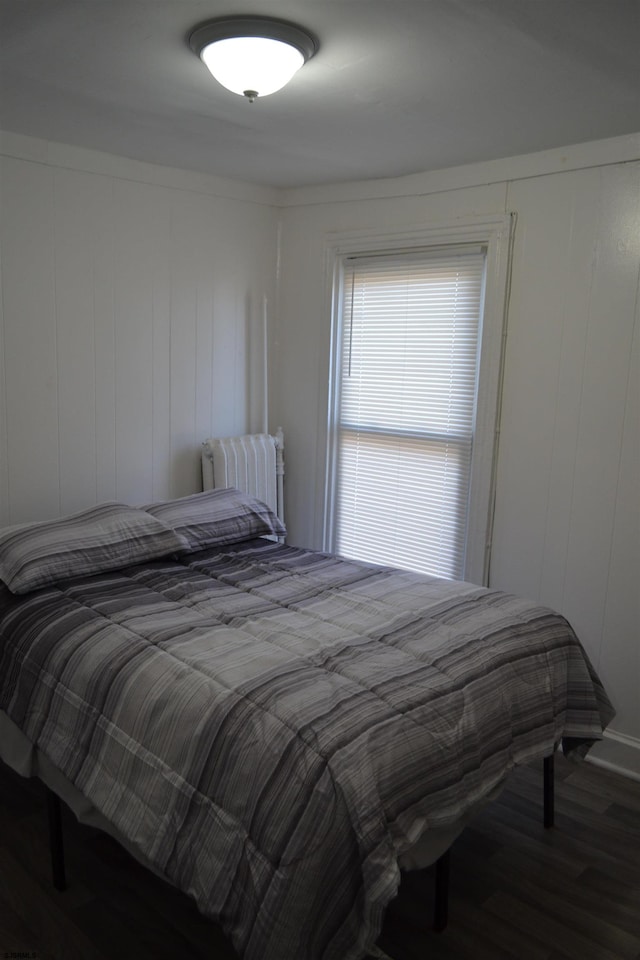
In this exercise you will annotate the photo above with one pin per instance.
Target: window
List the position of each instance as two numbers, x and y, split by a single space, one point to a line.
408 343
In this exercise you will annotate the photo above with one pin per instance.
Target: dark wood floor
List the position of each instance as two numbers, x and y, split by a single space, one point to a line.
518 892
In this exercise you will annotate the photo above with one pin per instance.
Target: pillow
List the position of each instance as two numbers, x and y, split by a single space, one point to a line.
224 515
104 537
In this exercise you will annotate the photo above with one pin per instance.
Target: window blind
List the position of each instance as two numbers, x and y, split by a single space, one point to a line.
406 403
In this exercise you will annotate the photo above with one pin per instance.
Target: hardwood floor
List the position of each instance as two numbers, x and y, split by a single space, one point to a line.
518 891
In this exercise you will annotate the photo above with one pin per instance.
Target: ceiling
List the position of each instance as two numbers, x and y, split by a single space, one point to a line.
396 87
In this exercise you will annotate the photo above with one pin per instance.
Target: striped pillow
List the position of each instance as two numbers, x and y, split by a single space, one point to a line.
104 537
223 515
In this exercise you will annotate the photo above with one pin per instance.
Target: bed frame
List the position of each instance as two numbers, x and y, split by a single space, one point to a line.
254 463
442 864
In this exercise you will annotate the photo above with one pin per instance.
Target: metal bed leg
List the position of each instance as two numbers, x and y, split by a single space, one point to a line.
441 905
548 791
55 841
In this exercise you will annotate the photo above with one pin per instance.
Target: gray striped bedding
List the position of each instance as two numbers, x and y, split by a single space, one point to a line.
223 515
273 728
103 537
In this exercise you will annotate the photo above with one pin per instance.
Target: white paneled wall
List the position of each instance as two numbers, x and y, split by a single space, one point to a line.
131 326
568 504
132 305
567 519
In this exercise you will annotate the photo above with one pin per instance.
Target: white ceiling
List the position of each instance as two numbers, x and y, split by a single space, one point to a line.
396 87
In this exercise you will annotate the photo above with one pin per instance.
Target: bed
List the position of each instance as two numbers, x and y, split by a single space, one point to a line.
275 731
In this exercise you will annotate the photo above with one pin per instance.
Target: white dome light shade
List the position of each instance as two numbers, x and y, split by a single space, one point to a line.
253 66
252 56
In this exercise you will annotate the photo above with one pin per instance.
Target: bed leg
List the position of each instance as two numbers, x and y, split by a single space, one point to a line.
441 905
548 791
55 841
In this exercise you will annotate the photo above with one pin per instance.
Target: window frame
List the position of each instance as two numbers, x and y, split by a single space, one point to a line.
496 234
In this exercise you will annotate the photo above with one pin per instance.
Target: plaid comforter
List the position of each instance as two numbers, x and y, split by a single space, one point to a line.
272 728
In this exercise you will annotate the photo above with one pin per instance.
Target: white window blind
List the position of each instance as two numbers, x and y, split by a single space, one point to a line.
406 400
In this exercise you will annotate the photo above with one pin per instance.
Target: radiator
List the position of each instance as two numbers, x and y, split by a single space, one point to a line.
253 463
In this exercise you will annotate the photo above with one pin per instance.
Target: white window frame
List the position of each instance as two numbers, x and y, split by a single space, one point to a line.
496 234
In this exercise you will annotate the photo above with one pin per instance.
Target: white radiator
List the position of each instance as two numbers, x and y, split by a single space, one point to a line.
253 463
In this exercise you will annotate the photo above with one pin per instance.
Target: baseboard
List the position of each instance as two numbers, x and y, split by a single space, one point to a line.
617 752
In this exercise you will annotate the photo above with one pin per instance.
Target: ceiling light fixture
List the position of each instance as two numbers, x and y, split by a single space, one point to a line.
252 56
